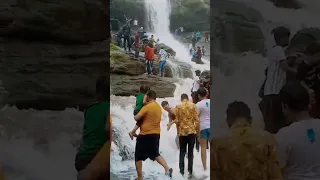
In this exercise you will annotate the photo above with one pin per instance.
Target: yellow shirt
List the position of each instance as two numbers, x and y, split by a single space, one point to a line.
187 118
245 154
152 114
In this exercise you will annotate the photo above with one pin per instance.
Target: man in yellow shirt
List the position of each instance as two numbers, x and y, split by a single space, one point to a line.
188 126
147 145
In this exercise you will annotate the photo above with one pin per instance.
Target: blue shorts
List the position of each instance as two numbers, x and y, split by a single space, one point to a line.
205 134
162 65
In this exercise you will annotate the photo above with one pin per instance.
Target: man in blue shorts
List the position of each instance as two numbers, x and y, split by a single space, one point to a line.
204 114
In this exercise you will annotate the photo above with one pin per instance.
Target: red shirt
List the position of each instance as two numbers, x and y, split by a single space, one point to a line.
149 53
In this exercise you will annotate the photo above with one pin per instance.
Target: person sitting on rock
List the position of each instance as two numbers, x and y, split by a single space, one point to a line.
94 134
140 102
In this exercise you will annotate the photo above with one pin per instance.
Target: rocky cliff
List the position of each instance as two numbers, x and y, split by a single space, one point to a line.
52 51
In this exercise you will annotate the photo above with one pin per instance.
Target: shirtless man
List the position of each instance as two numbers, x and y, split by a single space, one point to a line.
171 115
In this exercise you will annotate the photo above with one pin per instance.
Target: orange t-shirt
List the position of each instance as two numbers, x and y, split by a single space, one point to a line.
149 53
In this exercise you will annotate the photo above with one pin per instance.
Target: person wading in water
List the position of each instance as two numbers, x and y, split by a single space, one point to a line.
187 120
196 85
147 145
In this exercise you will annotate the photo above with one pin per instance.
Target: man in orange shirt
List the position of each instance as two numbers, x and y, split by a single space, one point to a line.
149 55
147 145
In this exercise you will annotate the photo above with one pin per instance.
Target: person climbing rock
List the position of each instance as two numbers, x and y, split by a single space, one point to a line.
147 144
163 60
94 135
140 102
196 85
187 120
149 55
127 37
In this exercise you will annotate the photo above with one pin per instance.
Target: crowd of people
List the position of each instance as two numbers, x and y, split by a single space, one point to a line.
192 120
288 147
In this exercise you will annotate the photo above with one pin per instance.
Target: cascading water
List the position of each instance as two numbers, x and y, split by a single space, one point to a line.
122 163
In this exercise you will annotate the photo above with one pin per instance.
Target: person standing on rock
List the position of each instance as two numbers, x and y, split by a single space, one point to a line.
203 51
195 87
136 44
127 37
204 114
94 135
163 60
198 35
187 121
147 145
194 42
149 55
276 78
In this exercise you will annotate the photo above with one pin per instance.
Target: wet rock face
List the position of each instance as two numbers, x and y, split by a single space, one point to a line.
290 4
67 21
236 27
52 51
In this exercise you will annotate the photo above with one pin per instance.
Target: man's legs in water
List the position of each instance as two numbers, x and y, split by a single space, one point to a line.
164 164
191 142
204 138
139 169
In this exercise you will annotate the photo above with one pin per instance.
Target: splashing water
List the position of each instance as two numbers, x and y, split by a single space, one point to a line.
122 109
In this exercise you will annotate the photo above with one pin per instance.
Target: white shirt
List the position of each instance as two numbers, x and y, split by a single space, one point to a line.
163 55
297 152
195 84
276 76
204 113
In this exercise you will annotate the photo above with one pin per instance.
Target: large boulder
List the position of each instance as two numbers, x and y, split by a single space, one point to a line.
289 4
166 48
302 38
66 21
236 27
51 76
197 60
123 85
122 63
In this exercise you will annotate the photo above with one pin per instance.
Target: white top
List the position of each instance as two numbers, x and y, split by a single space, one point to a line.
297 151
196 85
204 113
276 77
163 55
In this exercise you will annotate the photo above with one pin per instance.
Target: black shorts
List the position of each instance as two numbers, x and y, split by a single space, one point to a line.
147 146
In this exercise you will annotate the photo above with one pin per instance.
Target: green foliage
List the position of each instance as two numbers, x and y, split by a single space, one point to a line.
114 47
193 15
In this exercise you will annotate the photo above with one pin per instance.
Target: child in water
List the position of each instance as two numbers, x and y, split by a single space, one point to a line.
140 102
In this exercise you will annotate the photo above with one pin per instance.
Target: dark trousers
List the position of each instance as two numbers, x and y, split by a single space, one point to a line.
195 97
271 109
184 142
127 43
149 66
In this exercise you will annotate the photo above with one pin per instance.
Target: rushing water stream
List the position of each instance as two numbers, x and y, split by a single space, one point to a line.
38 145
